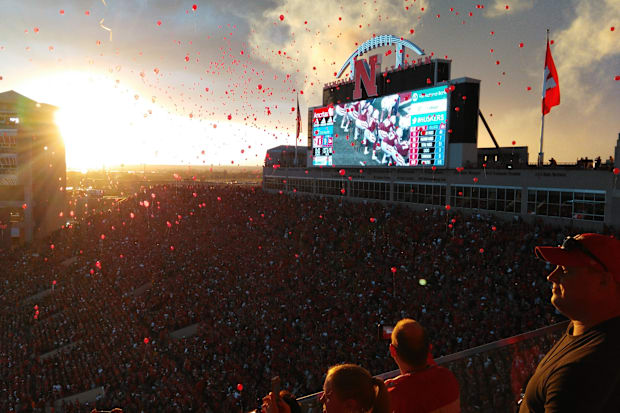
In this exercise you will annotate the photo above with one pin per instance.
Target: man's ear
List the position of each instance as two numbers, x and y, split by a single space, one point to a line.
393 351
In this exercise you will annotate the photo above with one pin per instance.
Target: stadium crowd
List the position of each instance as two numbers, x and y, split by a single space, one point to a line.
271 284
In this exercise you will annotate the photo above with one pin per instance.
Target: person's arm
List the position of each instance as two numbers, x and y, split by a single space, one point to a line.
269 405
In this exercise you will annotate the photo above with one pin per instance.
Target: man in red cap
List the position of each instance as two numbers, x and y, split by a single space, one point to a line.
581 373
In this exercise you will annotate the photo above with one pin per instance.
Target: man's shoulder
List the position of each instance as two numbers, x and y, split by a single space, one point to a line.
598 344
438 373
429 390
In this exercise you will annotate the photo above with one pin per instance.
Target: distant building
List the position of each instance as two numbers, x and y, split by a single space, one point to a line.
616 154
508 158
284 156
569 196
32 170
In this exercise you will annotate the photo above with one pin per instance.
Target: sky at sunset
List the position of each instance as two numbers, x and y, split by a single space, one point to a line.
215 82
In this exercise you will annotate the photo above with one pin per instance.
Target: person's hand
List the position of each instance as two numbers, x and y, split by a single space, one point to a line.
269 405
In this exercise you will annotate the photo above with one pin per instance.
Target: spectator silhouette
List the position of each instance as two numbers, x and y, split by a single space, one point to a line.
422 386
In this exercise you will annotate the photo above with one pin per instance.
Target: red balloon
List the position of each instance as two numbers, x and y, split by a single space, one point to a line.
448 207
616 171
240 387
146 340
393 270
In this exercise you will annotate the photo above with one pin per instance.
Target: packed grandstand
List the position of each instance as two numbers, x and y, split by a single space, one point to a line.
262 284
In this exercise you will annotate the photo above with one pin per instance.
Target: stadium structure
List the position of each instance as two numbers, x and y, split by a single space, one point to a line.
32 170
409 135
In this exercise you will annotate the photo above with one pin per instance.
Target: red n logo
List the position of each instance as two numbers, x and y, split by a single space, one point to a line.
366 75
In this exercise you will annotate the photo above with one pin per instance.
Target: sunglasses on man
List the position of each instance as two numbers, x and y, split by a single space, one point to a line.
572 244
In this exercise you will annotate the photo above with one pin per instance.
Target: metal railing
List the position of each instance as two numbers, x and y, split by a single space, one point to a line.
491 376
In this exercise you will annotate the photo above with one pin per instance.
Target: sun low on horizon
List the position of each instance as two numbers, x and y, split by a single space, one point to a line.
104 123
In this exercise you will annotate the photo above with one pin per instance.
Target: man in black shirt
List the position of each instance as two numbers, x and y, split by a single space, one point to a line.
581 373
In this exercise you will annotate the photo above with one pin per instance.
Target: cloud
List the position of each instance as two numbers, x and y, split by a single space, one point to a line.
585 53
521 125
498 8
318 35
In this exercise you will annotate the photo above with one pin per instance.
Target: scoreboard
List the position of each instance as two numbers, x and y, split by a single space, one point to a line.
401 129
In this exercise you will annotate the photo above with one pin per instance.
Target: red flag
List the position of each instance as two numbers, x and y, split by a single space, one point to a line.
298 122
551 84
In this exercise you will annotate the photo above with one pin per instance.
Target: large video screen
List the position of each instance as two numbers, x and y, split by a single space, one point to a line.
403 129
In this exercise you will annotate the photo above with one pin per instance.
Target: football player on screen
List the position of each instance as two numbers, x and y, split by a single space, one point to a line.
402 147
361 123
388 146
369 128
341 110
353 112
387 106
386 127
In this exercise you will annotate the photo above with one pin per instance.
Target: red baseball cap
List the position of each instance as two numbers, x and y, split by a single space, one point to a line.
601 251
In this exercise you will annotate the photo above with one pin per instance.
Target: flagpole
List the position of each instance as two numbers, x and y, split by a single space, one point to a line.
298 129
541 155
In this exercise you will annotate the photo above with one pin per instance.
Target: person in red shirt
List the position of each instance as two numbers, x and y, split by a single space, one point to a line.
422 386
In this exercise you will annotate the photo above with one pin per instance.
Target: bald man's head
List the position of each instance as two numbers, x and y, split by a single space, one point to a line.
411 342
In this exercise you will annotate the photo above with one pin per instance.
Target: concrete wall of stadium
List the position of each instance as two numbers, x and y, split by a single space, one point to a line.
570 197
